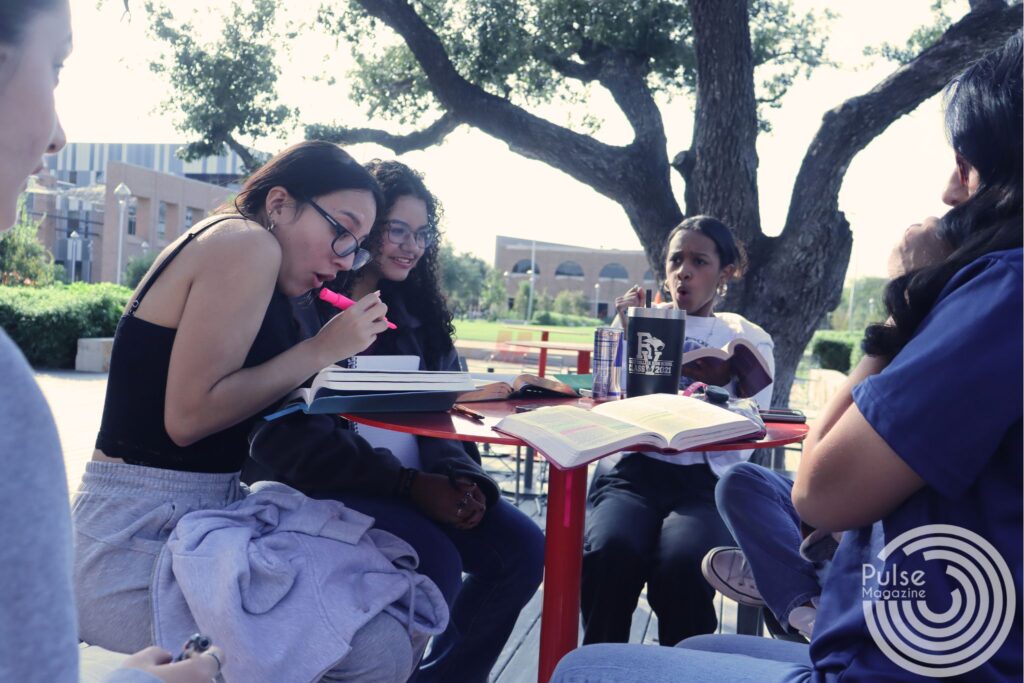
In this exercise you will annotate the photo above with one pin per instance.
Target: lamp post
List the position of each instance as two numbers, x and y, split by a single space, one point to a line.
597 297
74 251
533 275
508 296
122 192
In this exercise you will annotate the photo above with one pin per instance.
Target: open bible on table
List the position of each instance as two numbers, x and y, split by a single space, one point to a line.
572 436
522 386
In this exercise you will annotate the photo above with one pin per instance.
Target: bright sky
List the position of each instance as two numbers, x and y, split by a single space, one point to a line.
108 94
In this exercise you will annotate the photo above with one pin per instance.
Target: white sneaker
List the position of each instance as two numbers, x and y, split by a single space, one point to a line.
727 571
802 620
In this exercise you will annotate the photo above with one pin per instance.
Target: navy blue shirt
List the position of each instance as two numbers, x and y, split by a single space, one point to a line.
950 405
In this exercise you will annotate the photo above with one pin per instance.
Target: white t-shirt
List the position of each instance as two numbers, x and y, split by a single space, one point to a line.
718 330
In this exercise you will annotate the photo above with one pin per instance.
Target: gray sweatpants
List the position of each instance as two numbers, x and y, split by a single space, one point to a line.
123 516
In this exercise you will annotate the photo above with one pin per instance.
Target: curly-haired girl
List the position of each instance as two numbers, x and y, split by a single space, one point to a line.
452 513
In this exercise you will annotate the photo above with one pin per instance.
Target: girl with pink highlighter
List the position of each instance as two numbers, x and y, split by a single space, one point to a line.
207 345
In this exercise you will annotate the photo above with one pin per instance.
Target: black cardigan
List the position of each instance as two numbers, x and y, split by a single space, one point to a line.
321 456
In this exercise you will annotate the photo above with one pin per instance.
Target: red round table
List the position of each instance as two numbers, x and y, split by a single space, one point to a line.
563 545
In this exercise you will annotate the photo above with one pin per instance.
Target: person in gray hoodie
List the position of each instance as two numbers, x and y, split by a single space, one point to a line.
38 630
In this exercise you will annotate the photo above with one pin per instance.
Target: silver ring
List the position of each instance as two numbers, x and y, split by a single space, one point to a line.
216 659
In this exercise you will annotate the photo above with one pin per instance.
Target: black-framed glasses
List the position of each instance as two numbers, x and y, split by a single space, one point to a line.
399 231
345 243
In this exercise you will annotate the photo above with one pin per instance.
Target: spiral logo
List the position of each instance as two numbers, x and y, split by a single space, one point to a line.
970 631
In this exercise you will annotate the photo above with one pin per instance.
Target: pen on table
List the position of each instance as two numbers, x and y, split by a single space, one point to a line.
463 410
341 301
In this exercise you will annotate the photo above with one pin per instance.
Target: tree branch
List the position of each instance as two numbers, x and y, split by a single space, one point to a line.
597 164
725 126
683 163
581 71
433 134
248 160
979 4
625 78
849 128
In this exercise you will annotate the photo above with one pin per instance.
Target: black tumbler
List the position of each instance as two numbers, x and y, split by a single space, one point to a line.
654 349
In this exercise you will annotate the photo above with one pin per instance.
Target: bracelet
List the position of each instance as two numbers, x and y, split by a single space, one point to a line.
406 477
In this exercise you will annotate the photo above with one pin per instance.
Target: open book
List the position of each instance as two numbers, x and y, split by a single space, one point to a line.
572 436
739 359
343 390
522 386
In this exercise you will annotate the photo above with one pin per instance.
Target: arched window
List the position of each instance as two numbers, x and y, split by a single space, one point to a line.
523 265
613 271
649 275
569 269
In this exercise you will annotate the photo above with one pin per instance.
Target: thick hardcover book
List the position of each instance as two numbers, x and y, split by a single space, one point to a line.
738 359
572 436
343 390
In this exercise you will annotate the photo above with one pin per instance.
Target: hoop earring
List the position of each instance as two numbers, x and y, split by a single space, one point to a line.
723 289
270 228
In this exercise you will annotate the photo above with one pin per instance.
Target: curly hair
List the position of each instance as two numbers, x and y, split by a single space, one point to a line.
420 291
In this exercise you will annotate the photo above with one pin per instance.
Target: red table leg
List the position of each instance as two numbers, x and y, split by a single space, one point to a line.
563 561
542 362
583 362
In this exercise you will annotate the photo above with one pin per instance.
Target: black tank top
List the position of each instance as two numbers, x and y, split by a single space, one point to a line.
133 413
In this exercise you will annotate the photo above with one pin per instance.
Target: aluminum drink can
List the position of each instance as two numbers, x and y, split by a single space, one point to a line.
607 341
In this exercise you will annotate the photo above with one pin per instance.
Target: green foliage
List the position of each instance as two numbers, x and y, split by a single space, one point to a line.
494 302
137 267
462 279
522 300
786 46
570 302
24 260
564 319
835 350
517 50
542 301
46 322
920 39
227 88
868 304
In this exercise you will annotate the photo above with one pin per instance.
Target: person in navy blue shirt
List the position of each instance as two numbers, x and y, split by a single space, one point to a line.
918 457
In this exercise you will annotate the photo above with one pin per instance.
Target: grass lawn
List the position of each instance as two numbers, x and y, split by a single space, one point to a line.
485 331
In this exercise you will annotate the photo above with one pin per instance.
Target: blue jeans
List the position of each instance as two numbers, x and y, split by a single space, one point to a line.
503 558
708 658
756 505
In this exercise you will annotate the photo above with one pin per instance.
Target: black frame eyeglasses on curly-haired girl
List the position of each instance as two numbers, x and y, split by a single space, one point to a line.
399 231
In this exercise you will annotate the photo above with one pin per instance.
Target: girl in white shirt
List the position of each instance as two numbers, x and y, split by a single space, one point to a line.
654 516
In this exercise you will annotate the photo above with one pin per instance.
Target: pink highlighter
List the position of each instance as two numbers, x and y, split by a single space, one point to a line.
341 301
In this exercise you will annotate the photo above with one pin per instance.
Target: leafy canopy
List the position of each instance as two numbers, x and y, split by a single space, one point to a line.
540 51
225 88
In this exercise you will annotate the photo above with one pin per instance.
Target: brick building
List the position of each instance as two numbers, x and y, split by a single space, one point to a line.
601 274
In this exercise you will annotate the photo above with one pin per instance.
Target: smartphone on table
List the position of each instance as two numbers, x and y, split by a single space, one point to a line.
782 415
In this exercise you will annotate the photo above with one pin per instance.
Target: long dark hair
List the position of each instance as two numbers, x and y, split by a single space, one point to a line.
14 16
307 170
983 122
421 290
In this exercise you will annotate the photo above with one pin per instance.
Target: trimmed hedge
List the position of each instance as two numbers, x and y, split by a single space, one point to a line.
46 322
564 319
837 350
